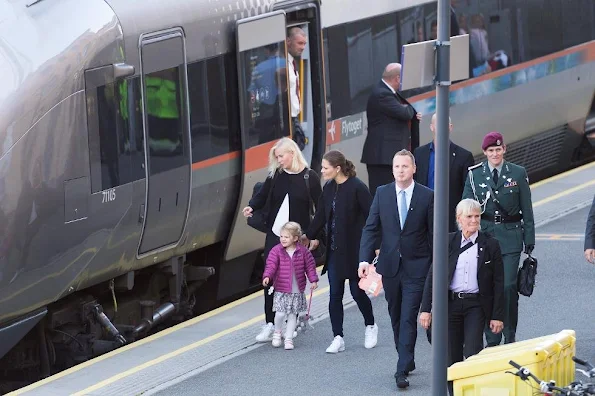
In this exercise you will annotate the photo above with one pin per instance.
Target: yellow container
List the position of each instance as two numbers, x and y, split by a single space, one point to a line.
549 358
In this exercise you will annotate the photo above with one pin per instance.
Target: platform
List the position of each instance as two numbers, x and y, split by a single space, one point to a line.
216 353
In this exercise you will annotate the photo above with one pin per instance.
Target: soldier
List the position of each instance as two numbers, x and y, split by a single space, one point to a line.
502 189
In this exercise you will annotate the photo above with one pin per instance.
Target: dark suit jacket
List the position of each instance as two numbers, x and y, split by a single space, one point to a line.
490 275
411 247
460 161
389 116
352 206
590 231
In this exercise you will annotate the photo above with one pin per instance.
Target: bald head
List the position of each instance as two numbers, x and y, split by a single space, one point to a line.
392 75
295 31
433 126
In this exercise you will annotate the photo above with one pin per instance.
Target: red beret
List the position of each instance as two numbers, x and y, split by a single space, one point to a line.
492 139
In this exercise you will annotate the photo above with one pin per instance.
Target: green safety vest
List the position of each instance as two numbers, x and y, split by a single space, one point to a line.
161 97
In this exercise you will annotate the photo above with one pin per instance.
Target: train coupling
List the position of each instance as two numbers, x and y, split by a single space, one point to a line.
107 325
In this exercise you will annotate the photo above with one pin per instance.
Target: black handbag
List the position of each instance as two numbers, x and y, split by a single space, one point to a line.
320 252
526 276
259 217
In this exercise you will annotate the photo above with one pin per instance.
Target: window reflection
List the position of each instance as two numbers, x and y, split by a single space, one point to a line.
266 101
164 121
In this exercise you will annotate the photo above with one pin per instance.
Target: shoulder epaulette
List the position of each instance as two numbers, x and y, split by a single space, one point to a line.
474 166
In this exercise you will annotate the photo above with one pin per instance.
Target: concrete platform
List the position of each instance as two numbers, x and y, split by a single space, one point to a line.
216 353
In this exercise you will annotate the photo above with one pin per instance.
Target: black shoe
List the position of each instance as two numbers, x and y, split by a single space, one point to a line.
410 368
402 381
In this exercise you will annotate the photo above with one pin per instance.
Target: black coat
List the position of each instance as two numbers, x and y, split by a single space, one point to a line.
490 275
389 119
411 247
351 210
460 161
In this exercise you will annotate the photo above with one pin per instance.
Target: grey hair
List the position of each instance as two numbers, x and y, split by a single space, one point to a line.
466 207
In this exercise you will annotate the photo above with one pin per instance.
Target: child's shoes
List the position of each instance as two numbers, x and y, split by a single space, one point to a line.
277 339
288 344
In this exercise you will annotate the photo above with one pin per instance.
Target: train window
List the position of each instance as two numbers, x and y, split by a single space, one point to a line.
210 121
115 125
165 121
265 99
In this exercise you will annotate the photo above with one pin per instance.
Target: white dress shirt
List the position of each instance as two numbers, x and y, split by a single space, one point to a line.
293 80
465 276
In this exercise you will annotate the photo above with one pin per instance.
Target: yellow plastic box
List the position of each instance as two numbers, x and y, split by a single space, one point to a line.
549 358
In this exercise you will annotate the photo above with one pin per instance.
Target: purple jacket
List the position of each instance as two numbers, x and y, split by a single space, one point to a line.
279 266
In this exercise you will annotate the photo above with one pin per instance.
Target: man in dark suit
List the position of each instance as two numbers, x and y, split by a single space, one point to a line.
460 161
590 235
476 286
393 125
402 217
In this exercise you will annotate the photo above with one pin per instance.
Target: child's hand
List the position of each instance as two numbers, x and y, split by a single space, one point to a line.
265 282
314 286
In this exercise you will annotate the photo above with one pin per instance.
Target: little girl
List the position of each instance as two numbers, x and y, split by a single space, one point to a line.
288 263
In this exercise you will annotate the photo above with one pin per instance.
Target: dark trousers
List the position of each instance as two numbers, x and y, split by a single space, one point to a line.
269 243
335 305
466 321
511 302
403 295
379 175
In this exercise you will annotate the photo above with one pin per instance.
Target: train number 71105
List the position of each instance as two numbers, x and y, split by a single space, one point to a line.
109 195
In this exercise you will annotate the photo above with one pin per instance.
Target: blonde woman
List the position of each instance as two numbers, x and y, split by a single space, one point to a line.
290 201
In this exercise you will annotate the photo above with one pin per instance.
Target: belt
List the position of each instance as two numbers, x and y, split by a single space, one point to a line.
462 296
497 219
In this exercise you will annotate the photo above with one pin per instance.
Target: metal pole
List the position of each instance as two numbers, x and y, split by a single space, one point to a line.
440 252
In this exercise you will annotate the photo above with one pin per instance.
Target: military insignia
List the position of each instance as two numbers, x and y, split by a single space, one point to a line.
510 184
483 185
498 142
454 154
509 179
474 166
488 178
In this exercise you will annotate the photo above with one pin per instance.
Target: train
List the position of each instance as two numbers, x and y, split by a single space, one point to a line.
131 136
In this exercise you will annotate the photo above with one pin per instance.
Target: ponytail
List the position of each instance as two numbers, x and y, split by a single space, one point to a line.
349 170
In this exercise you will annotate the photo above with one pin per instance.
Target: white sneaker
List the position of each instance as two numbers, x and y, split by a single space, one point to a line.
338 345
276 339
266 333
288 345
371 337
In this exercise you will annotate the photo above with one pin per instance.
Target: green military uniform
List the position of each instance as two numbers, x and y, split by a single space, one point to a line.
511 229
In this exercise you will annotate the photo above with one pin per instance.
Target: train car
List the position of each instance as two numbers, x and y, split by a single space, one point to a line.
133 134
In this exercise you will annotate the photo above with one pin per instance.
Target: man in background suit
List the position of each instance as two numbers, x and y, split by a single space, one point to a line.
460 161
402 217
393 125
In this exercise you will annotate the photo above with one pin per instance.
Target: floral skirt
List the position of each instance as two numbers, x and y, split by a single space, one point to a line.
294 303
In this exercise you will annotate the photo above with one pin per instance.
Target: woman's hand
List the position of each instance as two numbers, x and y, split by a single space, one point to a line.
496 326
314 286
265 282
247 211
313 244
425 320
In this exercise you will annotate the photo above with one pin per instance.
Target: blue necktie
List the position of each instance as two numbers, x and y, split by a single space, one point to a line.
403 208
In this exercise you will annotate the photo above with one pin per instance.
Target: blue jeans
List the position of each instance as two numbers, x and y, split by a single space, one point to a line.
335 305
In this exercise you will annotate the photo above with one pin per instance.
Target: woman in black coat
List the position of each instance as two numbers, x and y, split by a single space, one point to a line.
290 198
343 209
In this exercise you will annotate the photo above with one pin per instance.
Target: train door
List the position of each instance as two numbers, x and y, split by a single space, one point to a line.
303 17
264 112
167 139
